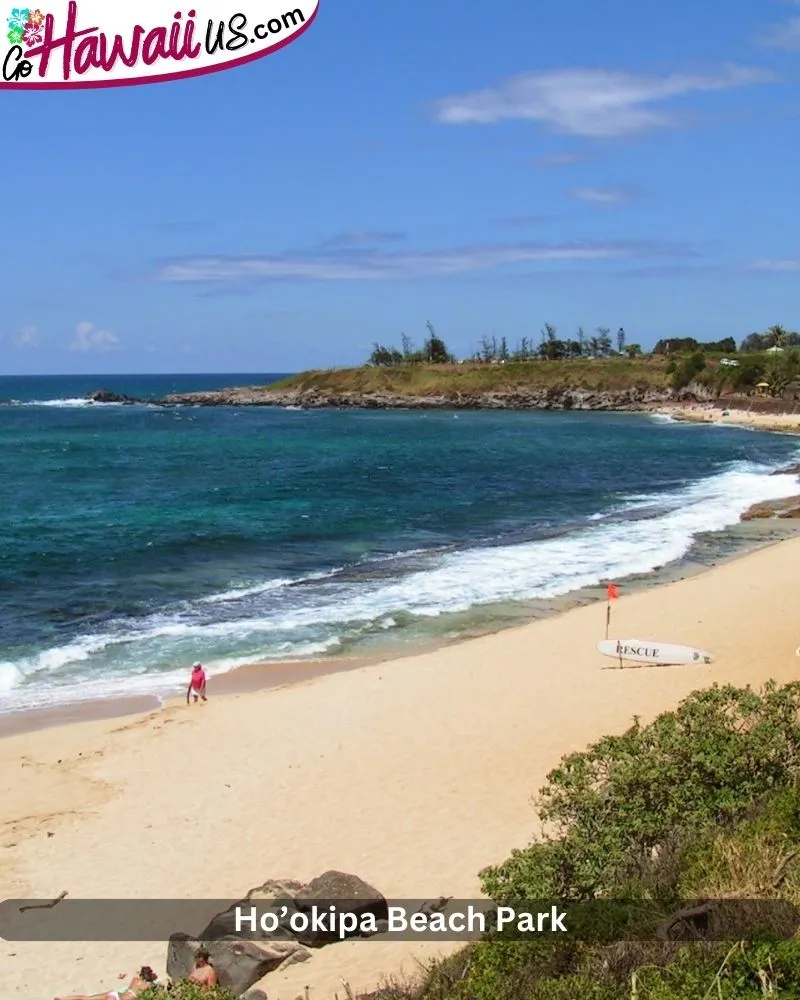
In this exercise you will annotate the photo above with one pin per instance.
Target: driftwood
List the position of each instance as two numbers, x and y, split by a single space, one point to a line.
783 869
685 915
44 906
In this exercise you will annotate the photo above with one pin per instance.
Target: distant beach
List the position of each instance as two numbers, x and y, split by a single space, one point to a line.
719 415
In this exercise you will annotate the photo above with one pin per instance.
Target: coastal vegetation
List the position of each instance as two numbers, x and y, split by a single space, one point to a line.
765 363
680 840
551 347
450 379
702 804
758 373
185 990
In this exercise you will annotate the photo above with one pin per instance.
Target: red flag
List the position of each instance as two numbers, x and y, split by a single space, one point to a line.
613 592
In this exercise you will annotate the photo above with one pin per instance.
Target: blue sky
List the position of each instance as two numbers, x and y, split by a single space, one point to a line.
487 167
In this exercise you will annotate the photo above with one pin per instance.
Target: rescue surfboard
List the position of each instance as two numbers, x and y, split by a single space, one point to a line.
650 651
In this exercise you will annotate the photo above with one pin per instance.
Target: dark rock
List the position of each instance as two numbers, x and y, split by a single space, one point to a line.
239 964
274 894
242 957
104 396
349 894
791 470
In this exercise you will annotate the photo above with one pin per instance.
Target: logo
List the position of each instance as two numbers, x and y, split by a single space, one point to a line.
72 45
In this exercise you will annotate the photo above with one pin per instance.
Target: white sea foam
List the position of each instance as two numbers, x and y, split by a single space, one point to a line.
78 402
60 402
274 620
236 594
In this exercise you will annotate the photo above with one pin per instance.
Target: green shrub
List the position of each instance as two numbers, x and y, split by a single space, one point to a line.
618 809
756 859
745 971
492 971
187 991
703 802
687 370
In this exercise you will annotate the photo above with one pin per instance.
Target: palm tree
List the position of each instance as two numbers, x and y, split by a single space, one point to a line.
779 335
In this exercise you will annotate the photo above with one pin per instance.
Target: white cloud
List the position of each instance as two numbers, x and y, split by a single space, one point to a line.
603 196
89 338
787 264
28 336
360 265
588 102
785 34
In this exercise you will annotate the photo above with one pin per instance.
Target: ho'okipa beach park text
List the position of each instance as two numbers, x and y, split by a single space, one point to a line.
44 53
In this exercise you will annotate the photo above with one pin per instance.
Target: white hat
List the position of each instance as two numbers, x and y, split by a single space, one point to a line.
196 665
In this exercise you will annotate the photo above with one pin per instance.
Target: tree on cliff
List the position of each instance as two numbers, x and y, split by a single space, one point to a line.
781 370
775 336
433 352
435 349
778 335
385 356
687 370
603 341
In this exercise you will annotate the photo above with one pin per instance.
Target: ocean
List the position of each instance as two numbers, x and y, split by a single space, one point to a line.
137 539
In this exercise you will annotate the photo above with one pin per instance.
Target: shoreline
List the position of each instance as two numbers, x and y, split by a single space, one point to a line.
718 414
259 675
753 536
413 775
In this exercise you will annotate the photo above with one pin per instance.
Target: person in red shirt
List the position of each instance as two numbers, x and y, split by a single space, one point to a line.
197 684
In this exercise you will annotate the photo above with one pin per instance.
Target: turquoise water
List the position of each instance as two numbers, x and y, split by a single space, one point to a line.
138 539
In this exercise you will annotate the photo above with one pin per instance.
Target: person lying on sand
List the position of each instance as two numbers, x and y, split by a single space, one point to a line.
197 683
141 982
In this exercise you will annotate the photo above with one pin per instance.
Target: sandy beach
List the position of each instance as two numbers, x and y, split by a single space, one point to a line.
785 423
412 774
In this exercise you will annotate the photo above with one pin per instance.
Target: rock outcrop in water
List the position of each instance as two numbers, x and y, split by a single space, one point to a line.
106 396
787 508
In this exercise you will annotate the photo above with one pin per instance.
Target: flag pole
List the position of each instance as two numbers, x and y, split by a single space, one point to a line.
611 594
